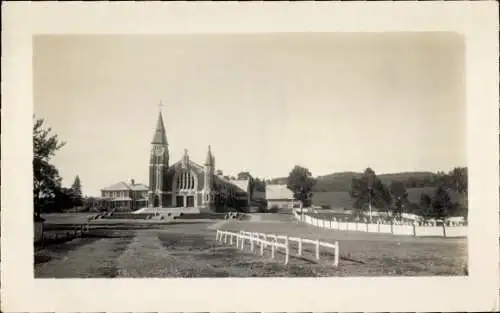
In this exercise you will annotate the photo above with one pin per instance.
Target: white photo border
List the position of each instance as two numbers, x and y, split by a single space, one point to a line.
476 21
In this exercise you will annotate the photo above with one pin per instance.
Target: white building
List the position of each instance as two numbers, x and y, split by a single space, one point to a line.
279 197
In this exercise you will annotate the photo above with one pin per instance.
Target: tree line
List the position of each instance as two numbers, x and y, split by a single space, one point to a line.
369 192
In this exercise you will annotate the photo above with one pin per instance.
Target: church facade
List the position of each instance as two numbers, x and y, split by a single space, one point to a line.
187 184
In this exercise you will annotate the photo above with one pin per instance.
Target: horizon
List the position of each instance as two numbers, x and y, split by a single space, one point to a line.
265 103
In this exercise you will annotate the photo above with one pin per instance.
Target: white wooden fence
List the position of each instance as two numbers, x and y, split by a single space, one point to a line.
276 242
395 229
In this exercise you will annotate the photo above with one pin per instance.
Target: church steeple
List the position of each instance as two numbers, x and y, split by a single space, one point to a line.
158 166
210 161
160 136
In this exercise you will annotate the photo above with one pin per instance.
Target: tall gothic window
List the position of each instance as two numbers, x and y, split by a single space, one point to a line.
185 181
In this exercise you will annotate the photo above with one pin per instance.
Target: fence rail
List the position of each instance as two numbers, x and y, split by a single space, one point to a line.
276 242
395 229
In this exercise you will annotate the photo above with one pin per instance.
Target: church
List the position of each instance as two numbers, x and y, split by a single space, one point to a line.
185 183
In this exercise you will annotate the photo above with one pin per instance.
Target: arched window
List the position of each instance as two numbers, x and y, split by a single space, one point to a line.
185 181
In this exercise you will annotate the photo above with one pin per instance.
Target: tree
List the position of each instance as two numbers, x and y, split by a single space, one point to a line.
425 205
259 185
301 183
441 203
459 183
77 191
399 197
46 179
369 191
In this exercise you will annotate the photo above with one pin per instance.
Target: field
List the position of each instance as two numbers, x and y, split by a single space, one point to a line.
188 248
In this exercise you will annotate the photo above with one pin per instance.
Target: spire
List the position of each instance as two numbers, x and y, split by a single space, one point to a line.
160 136
210 161
185 159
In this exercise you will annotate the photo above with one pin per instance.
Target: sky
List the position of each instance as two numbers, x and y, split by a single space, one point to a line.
330 102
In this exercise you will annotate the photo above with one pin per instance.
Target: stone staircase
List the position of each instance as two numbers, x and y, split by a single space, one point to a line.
165 211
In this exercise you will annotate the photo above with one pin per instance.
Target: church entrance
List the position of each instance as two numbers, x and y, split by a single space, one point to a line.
179 201
184 189
190 201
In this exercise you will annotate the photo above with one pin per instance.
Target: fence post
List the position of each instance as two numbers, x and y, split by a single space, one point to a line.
337 253
251 244
286 243
414 230
272 250
231 239
444 230
242 243
287 252
367 227
300 246
317 249
330 223
262 247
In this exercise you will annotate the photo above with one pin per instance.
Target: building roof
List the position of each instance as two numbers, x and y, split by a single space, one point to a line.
278 192
191 163
160 136
117 187
240 184
120 186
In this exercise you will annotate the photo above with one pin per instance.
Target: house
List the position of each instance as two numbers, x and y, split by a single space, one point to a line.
124 196
279 197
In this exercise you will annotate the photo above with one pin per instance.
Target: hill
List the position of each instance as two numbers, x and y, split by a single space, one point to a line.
342 199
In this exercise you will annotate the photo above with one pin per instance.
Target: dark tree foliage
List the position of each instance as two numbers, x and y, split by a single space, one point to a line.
425 205
76 190
441 203
301 183
46 179
399 197
369 189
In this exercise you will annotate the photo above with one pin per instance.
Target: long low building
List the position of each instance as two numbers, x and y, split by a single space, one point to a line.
279 197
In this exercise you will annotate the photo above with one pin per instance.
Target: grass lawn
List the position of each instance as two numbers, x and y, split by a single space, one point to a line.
368 254
189 249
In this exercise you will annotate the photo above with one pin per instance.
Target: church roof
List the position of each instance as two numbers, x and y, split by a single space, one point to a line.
278 192
240 183
160 136
191 163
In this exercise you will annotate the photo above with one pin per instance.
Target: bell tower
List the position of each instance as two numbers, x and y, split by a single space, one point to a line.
158 166
208 169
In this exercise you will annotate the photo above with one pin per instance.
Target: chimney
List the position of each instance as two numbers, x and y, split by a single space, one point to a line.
132 182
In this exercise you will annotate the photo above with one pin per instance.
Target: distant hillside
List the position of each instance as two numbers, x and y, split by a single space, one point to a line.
341 181
342 199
